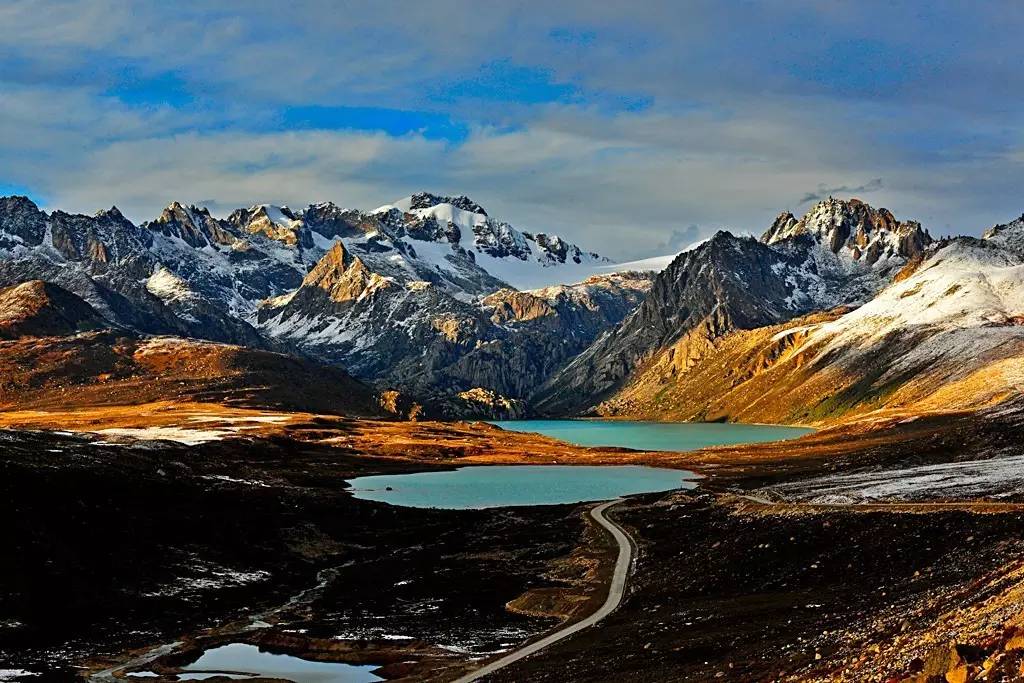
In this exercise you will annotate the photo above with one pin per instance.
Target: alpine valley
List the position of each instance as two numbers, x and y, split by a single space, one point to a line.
218 381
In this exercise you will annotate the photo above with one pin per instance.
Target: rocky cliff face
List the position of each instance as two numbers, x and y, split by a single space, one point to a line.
840 253
417 338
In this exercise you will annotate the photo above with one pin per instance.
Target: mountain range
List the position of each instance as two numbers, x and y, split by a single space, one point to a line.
417 297
432 303
841 313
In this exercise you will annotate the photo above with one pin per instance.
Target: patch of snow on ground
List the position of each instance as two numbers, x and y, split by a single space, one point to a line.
190 437
271 419
209 577
779 336
994 478
232 480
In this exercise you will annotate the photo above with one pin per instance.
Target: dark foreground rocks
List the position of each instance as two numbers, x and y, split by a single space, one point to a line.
727 589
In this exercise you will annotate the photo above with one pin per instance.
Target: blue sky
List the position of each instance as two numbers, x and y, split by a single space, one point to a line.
623 126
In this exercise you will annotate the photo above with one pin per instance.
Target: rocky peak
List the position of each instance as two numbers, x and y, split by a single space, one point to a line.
17 204
426 200
509 305
1009 235
98 240
342 275
500 239
853 228
112 214
331 220
559 250
192 224
278 223
21 222
784 224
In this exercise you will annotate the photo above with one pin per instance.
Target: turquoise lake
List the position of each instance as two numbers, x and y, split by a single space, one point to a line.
654 436
240 661
488 486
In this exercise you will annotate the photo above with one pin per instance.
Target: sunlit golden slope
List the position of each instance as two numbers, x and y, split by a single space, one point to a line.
946 336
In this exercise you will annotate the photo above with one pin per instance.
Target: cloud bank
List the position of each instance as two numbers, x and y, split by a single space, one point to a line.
625 128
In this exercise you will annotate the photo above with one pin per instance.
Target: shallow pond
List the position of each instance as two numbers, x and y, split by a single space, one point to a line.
654 436
508 485
240 661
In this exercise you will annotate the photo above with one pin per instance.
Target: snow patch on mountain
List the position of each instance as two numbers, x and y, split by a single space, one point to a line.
167 286
964 284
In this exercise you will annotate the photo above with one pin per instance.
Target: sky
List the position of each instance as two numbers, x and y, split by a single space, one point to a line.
630 128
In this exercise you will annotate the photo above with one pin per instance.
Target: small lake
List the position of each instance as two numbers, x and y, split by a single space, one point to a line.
654 436
240 661
487 486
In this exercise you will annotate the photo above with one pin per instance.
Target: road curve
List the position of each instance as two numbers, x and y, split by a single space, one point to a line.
615 593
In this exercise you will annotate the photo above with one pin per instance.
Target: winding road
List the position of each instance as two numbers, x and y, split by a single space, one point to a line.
615 593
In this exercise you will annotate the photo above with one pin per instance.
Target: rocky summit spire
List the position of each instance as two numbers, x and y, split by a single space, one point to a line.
341 275
853 228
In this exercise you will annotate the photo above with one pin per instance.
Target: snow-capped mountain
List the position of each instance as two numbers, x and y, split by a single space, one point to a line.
198 261
521 259
1009 235
417 336
842 309
839 253
946 335
370 290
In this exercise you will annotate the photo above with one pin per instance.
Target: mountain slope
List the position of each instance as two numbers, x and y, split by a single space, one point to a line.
37 309
839 253
115 368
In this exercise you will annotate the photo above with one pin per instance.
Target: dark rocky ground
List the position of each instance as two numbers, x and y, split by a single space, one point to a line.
726 589
109 548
